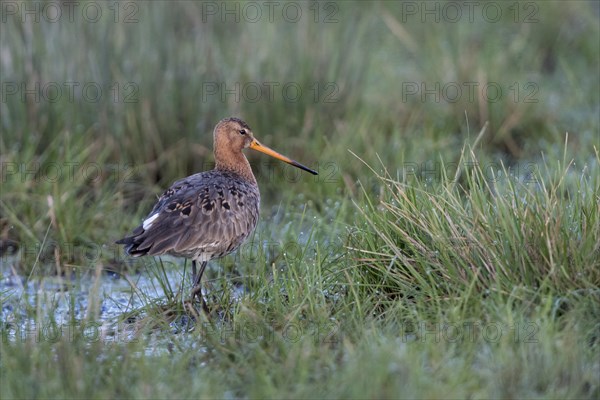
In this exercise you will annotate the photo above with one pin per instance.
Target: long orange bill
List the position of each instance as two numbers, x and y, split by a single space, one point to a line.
255 145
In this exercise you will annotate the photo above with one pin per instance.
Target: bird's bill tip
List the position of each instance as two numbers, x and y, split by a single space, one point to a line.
256 145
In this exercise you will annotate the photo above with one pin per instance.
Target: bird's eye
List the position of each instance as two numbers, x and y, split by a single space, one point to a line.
242 132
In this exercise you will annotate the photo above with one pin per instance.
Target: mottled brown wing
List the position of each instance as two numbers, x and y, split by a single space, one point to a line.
202 216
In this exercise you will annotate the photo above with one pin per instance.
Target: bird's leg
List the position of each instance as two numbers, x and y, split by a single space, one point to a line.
197 287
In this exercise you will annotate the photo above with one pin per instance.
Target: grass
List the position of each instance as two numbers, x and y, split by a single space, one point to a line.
447 249
493 234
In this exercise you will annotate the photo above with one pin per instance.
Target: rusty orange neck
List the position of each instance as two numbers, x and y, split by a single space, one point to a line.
228 160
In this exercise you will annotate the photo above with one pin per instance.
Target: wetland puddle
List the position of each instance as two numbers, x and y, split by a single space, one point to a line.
96 307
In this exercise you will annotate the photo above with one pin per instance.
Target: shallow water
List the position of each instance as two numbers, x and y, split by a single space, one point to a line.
93 306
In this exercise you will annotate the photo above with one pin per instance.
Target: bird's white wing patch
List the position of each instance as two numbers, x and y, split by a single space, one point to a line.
148 222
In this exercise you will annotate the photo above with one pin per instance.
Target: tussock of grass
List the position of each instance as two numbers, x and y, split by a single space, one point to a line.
489 232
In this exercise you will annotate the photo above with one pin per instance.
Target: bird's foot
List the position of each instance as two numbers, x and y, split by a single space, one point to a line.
197 294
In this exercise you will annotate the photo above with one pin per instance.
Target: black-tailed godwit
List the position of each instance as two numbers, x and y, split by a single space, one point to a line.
209 214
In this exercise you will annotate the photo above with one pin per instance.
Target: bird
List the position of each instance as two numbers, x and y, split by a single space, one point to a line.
209 214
